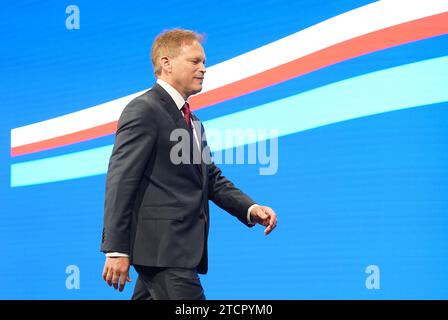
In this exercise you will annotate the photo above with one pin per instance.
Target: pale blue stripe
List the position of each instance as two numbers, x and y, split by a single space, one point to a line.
71 166
402 87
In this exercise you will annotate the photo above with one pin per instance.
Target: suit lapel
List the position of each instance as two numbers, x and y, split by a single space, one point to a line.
171 107
199 134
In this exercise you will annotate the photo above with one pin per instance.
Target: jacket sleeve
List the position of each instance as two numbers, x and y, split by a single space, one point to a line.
228 197
134 142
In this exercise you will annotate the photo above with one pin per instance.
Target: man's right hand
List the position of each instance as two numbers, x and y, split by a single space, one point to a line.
116 272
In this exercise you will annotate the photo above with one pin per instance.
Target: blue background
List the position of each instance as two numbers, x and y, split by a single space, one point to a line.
348 195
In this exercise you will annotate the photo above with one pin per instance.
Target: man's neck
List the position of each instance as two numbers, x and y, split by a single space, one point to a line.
171 83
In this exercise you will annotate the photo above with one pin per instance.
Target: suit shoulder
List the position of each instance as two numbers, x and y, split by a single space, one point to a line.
147 101
145 106
142 110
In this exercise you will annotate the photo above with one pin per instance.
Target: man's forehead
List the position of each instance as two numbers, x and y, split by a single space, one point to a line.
194 48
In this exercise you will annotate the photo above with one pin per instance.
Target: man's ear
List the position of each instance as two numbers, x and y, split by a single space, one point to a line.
165 63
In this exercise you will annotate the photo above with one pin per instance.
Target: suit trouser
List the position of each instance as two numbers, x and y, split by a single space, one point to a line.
156 283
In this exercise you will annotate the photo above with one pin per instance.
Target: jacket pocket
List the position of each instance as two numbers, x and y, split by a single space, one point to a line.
162 213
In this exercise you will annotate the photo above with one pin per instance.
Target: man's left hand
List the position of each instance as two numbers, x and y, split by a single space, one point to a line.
265 216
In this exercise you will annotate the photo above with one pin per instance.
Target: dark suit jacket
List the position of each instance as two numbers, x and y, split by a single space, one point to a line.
157 211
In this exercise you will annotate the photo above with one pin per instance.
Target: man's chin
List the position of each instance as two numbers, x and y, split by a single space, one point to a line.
196 90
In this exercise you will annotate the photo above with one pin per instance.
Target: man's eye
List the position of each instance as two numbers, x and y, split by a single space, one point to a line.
197 62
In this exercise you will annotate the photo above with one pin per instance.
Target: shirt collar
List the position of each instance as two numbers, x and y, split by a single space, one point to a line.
174 94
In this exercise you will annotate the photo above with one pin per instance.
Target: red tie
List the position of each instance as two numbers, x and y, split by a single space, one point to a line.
186 110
